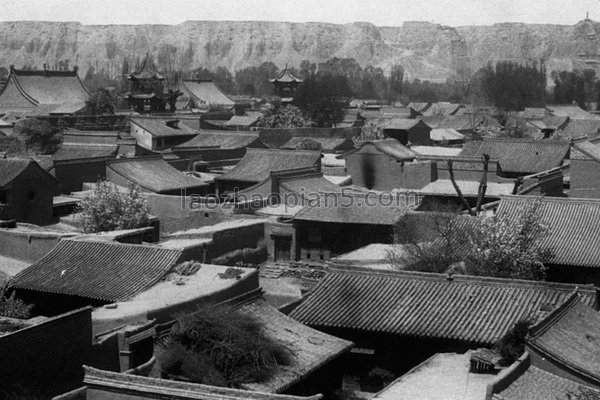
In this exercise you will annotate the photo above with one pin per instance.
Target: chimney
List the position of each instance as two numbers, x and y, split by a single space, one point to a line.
45 66
11 67
75 69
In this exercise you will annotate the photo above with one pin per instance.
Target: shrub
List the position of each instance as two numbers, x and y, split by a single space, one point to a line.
512 345
218 345
12 307
107 209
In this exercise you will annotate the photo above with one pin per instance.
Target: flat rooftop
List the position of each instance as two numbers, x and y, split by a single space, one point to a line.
173 292
445 376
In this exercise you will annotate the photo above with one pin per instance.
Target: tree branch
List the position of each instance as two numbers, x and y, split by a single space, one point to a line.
482 184
458 191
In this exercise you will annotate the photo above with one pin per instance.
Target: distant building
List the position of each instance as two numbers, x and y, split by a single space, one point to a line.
160 133
386 165
519 157
408 131
258 164
227 147
205 95
147 88
286 83
328 145
336 223
26 191
584 169
154 175
82 155
43 92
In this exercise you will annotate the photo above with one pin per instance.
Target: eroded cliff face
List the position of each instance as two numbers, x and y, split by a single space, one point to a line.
427 51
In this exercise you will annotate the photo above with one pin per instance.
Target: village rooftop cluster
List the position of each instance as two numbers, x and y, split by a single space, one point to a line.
235 220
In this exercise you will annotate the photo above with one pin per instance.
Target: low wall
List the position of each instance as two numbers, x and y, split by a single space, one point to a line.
47 357
28 246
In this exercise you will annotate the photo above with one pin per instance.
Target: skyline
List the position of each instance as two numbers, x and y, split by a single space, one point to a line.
380 13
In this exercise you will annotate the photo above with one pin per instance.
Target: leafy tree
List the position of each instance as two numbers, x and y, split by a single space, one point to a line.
218 345
254 81
107 209
396 81
100 103
38 135
487 245
512 86
287 116
323 98
309 144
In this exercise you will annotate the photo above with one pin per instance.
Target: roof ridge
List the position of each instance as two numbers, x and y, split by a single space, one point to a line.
461 278
551 199
90 239
546 323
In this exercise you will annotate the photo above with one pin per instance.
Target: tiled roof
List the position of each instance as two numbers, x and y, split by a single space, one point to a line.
46 91
443 109
403 123
117 382
101 270
390 147
420 107
327 144
573 227
83 151
10 168
580 127
221 140
533 113
570 336
518 155
440 135
468 309
205 92
348 208
257 164
311 349
458 122
303 183
468 188
572 111
587 149
537 384
247 120
153 174
158 127
147 70
285 76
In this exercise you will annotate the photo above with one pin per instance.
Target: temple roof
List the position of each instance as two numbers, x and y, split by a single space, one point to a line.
285 76
147 70
43 92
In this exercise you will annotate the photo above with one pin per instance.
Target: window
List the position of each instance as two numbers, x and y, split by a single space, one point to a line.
2 196
31 196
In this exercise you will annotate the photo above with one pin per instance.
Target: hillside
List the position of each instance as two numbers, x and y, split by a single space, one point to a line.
426 50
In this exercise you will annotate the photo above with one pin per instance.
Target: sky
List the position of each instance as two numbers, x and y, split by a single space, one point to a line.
378 12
